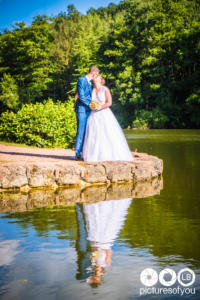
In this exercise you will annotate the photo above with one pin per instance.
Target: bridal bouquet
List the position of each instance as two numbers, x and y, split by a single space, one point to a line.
94 104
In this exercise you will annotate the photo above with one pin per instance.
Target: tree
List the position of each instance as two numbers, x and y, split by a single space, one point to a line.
9 96
147 50
25 55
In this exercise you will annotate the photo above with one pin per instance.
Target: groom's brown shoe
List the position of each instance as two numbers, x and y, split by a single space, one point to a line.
78 158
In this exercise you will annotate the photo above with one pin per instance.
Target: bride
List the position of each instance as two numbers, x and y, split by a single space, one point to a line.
104 139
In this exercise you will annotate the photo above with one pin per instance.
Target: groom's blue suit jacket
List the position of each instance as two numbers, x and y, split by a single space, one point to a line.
85 92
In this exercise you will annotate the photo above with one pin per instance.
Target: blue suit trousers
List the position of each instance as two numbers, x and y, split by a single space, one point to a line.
81 117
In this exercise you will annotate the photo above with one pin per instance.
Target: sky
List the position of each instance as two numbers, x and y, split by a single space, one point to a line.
12 11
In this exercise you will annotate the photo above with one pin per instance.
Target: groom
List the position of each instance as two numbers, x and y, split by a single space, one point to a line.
82 109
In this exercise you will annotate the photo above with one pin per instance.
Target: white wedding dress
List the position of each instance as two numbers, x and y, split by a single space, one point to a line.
104 139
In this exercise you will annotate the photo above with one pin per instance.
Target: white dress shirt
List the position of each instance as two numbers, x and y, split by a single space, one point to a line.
89 80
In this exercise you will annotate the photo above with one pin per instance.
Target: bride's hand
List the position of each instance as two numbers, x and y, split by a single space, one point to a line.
99 108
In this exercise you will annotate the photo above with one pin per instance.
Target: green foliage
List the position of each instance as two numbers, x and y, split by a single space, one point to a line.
25 55
148 51
9 92
150 119
90 34
45 124
193 107
153 57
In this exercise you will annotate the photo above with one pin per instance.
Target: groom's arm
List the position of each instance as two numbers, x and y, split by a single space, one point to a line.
85 99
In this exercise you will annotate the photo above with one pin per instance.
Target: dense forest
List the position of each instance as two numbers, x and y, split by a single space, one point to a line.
148 51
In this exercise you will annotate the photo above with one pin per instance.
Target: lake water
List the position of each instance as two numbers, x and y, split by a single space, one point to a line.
48 253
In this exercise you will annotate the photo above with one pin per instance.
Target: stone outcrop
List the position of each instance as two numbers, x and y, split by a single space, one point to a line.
17 201
32 178
37 175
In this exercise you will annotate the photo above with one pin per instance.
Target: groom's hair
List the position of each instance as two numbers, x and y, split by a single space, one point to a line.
93 69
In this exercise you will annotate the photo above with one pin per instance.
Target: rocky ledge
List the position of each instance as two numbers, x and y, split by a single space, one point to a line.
18 201
25 168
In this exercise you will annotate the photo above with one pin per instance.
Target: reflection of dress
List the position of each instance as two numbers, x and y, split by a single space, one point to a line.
104 220
98 226
104 138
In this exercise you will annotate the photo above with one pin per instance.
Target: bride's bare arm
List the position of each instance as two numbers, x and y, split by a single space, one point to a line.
108 102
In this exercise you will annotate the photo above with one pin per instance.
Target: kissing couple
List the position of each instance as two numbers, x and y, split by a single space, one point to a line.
99 136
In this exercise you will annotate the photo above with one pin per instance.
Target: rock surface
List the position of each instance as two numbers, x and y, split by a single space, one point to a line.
25 168
17 201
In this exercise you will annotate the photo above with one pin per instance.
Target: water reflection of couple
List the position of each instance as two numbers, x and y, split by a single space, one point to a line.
98 226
